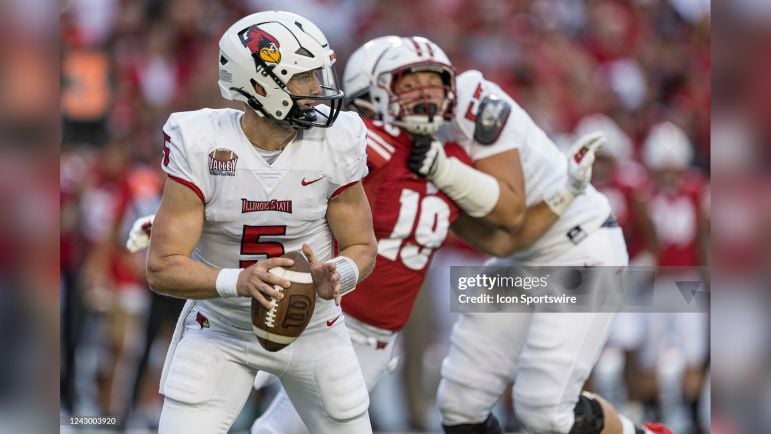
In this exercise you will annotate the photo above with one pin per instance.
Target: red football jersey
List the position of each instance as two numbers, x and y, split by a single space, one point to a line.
677 215
411 218
630 180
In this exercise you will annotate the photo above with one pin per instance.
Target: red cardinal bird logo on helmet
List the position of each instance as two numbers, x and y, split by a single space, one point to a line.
261 42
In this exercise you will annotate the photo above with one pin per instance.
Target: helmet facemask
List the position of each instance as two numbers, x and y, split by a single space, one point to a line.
417 109
317 106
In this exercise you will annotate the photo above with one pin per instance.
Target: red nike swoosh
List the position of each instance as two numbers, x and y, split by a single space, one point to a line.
332 321
304 182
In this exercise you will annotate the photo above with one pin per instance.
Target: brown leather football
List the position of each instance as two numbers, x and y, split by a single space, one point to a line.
278 327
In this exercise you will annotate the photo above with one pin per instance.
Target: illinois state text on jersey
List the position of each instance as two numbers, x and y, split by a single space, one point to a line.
411 218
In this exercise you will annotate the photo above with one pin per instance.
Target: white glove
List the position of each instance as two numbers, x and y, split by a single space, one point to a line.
139 236
580 158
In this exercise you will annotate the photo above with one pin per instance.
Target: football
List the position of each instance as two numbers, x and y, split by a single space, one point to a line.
280 326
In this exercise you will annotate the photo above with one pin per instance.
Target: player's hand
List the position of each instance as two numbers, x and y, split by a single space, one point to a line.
427 157
257 282
139 235
325 276
580 157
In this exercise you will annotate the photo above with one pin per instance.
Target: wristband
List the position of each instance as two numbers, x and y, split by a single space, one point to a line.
349 273
560 201
226 282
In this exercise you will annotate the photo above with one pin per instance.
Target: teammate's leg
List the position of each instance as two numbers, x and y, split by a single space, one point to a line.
480 364
560 352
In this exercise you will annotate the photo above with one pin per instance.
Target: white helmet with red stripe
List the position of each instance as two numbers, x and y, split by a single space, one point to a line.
667 147
410 110
357 77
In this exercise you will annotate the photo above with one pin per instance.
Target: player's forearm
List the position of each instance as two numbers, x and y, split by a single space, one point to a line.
509 212
488 239
479 194
364 257
536 221
181 277
500 242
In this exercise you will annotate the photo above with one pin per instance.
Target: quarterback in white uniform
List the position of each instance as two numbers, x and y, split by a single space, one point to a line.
243 189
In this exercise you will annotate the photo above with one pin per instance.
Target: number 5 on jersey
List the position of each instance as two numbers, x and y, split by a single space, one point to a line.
251 244
429 233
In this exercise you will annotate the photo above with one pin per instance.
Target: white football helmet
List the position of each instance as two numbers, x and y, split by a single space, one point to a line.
667 147
357 76
413 54
260 53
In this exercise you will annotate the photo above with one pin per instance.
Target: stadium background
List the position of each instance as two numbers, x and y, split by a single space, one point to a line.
127 64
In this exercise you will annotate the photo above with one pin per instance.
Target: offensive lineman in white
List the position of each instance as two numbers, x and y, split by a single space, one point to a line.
243 188
547 356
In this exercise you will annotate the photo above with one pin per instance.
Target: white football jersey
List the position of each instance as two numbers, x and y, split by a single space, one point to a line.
544 166
255 210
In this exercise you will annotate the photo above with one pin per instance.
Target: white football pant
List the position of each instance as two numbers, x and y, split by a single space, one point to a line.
548 356
373 347
209 374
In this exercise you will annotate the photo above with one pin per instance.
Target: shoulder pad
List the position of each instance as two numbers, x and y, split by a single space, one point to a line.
491 118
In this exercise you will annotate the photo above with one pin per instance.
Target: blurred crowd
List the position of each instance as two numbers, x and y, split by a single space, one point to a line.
637 69
741 147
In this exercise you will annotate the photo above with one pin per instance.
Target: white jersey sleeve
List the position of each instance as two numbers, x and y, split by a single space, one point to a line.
349 146
183 159
503 125
473 88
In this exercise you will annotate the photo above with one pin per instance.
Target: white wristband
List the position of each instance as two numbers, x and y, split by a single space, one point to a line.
475 192
226 282
560 201
349 273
